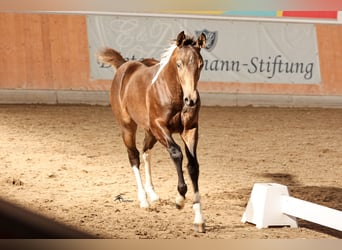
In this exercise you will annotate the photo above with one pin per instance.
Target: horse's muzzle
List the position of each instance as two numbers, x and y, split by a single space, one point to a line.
190 101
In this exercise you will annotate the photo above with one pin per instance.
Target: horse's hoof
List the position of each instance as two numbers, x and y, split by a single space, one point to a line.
179 207
144 204
180 202
152 195
154 202
200 228
154 199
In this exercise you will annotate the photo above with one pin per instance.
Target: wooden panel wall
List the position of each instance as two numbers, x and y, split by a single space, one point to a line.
51 52
45 52
330 51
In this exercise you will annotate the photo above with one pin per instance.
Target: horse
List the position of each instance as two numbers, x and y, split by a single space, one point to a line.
162 98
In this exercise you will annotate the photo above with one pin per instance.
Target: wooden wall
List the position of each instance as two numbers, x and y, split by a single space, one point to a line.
45 52
50 52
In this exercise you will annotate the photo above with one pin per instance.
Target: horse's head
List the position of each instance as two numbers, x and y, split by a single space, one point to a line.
189 63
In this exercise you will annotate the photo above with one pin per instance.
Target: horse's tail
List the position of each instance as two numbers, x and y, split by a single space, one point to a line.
111 56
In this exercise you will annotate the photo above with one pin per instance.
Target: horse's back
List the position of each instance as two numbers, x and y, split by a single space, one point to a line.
128 91
131 76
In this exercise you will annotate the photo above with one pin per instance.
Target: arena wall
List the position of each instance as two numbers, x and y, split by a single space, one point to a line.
45 59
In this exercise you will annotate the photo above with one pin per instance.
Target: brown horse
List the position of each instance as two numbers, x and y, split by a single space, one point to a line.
162 98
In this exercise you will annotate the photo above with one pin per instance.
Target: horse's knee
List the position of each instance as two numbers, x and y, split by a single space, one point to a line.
175 152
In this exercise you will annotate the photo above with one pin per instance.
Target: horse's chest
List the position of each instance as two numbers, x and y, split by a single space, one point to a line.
189 117
175 122
183 119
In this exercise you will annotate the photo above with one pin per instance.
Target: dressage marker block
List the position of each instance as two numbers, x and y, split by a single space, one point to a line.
271 205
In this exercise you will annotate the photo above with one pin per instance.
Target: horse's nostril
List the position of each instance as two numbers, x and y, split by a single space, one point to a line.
189 102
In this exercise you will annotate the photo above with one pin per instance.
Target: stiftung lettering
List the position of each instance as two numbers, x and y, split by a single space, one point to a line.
276 65
270 67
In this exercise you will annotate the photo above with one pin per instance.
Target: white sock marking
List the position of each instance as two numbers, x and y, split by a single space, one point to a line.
148 184
197 209
141 191
198 214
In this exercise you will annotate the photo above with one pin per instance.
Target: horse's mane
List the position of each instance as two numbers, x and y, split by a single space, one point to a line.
165 58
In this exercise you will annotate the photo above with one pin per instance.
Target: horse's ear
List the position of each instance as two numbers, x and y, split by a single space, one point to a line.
201 41
180 38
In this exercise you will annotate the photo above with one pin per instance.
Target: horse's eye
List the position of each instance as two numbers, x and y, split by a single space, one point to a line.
179 65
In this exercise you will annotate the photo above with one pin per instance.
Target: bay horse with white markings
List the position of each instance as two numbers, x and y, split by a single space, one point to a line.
162 98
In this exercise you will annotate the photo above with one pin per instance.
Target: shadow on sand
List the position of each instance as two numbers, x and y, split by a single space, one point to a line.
19 223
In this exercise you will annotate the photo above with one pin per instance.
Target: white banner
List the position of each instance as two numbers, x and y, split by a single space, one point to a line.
258 52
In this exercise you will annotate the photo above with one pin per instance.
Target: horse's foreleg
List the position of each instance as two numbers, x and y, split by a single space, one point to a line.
177 157
193 170
163 135
190 138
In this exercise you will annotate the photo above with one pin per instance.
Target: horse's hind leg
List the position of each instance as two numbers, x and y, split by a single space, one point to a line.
149 142
129 135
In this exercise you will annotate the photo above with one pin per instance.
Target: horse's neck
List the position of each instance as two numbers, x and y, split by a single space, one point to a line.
167 88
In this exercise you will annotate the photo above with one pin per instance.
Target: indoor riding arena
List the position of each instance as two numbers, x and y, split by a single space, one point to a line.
271 112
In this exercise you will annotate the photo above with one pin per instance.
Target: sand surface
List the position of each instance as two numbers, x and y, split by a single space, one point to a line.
68 163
